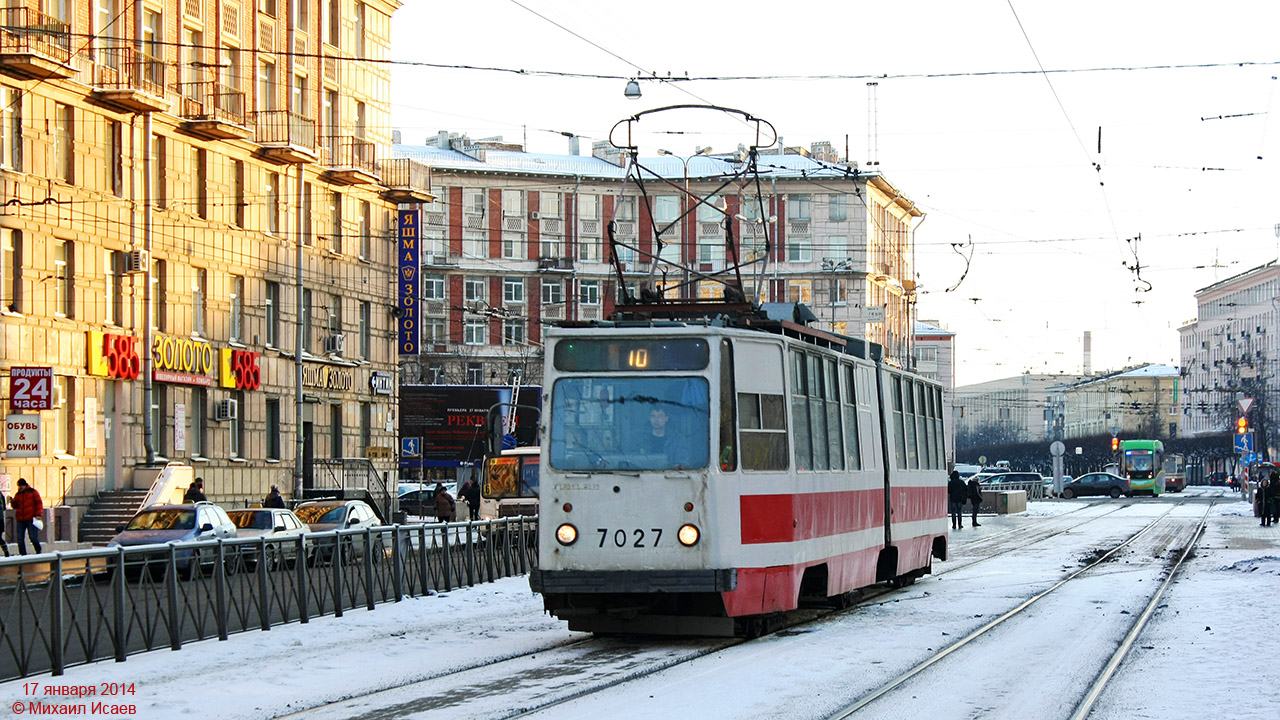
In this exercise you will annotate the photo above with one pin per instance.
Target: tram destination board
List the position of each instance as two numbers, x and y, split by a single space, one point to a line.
591 355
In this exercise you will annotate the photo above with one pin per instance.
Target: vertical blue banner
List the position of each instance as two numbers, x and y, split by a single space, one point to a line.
407 279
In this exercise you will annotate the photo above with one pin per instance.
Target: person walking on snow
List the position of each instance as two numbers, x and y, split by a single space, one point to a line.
975 497
957 493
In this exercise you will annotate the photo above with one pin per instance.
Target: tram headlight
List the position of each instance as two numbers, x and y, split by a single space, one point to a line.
567 534
688 535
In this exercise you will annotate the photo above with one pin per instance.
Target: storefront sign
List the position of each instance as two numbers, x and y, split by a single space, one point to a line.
328 377
381 383
408 281
113 356
31 388
238 369
182 360
22 436
374 452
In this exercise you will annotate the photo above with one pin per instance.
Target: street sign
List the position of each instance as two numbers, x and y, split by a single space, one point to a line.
22 436
30 388
1057 449
410 447
1245 404
1243 443
1250 458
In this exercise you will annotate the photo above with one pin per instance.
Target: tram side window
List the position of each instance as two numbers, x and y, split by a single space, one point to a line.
924 438
817 416
762 431
851 418
937 422
831 398
899 429
728 411
800 411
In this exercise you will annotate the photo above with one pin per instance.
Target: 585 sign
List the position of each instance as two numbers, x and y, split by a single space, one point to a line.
31 388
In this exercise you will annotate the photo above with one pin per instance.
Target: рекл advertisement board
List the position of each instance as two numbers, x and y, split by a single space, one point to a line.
449 419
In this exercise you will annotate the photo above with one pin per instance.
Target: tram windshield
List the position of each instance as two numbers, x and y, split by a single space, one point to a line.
629 423
1140 462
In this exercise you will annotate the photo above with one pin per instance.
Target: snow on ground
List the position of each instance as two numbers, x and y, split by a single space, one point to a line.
1213 627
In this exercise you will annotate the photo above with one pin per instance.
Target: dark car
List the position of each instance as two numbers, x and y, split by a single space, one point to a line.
1099 483
177 524
281 528
1010 477
326 515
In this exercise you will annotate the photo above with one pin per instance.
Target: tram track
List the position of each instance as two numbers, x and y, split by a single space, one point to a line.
1096 686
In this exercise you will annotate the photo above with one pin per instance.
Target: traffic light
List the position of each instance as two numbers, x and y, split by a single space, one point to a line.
1242 425
1115 444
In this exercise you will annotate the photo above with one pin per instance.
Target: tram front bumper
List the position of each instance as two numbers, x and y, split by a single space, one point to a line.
633 581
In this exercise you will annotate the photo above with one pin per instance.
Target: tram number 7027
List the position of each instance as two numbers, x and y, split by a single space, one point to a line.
620 538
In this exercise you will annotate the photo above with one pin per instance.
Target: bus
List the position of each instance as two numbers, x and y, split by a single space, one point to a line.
1175 472
510 485
1142 463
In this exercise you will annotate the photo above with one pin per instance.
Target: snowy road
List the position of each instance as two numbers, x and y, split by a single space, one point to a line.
1204 633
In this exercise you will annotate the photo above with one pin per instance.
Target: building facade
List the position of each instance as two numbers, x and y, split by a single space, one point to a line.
1136 403
1229 353
935 352
515 240
197 238
1008 410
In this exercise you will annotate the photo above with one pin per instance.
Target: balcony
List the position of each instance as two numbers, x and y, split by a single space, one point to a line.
34 45
555 263
213 111
350 160
283 137
406 180
129 81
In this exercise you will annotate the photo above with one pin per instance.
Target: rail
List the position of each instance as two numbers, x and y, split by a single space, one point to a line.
24 29
349 478
1034 490
58 610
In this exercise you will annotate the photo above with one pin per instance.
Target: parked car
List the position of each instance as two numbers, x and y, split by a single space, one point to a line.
966 469
422 503
274 524
326 515
1099 483
176 524
1009 477
1048 484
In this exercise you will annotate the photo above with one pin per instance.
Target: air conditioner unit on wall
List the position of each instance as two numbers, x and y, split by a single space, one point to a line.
226 410
335 344
135 261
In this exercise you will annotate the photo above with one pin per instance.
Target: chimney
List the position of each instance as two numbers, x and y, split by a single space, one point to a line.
395 137
1088 352
573 145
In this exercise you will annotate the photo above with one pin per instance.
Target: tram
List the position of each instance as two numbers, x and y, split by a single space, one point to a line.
510 485
707 476
1142 462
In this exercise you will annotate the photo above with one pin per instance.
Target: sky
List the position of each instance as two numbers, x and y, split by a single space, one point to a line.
1044 141
439 656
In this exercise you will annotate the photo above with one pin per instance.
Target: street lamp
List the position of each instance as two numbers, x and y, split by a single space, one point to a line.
633 90
831 267
685 234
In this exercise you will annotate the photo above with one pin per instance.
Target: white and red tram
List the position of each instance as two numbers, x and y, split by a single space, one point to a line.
702 478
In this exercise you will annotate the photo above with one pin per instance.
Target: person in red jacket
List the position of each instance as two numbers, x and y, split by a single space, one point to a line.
27 506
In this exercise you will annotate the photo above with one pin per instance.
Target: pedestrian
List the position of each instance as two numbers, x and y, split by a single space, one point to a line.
27 509
471 493
1273 498
195 492
445 505
274 499
975 497
1260 506
3 543
957 493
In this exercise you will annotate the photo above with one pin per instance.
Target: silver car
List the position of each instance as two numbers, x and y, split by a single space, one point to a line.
326 515
177 524
280 527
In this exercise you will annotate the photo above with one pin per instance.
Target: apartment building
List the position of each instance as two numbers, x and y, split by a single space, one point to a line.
196 220
515 240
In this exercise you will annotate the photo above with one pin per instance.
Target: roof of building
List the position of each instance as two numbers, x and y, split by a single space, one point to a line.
1149 370
1234 278
925 328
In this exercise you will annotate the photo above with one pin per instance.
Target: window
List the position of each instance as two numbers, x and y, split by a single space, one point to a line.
11 269
432 287
799 249
836 249
202 182
237 426
798 207
926 354
511 246
11 129
199 293
512 290
273 428
552 293
550 204
335 314
762 431
159 414
366 319
589 207
196 422
63 136
475 374
849 395
267 6
159 164
63 440
301 12
435 374
473 201
434 331
361 20
64 278
473 289
106 33
272 190
366 237
331 122
273 313
626 208
589 292
799 291
473 332
237 182
475 244
666 208
709 211
237 309
301 96
335 222
332 24
159 288
306 321
513 331
193 55
306 214
366 426
266 85
231 73
837 207
335 431
113 297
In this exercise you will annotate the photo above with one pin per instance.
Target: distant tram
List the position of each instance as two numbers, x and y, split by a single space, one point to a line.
510 484
1175 473
1142 462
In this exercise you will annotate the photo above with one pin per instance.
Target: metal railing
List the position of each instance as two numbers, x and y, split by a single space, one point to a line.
345 476
281 127
24 30
209 100
1034 490
58 610
123 68
405 173
346 151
